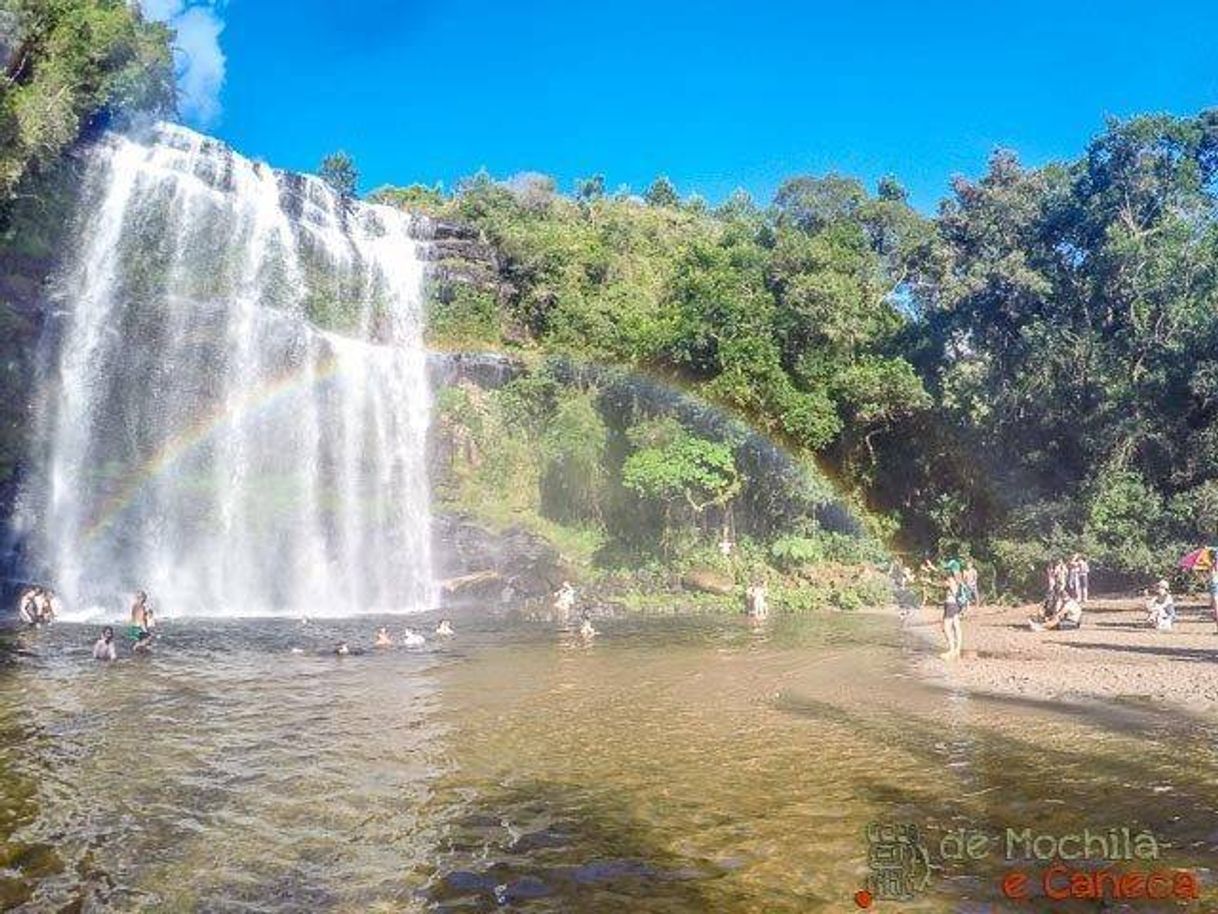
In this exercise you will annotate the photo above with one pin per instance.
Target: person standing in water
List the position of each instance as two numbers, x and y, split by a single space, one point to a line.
755 606
46 606
103 648
27 605
139 610
952 606
139 629
382 638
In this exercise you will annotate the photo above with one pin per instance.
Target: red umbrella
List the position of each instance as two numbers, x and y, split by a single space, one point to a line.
1198 560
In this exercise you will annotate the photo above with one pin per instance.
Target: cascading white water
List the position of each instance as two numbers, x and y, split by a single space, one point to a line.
238 415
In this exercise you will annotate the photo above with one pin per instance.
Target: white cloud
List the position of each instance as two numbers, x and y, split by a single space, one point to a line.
162 10
200 62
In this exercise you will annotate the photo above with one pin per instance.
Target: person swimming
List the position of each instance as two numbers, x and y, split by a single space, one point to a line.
413 639
103 648
341 649
587 630
445 628
382 638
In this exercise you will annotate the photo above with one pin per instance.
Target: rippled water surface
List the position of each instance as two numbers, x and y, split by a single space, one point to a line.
670 765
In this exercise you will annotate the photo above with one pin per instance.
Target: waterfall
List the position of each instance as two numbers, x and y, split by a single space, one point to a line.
235 410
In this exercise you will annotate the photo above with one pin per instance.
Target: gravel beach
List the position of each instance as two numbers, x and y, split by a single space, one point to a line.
1113 656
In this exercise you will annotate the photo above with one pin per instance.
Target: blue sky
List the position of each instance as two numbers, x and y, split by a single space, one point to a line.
715 95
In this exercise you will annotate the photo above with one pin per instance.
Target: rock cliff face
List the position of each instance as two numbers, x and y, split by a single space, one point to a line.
457 254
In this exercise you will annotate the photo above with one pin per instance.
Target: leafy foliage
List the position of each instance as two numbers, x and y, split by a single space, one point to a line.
671 465
76 64
1033 369
339 171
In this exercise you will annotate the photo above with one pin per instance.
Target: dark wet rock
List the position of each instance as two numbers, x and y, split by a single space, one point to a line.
488 370
478 565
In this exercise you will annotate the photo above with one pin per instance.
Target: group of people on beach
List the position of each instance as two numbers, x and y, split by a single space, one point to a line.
1067 590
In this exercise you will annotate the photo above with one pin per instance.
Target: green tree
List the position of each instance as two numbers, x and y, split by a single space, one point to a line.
75 64
589 189
662 192
338 170
678 469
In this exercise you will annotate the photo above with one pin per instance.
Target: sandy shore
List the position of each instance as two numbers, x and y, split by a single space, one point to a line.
1113 655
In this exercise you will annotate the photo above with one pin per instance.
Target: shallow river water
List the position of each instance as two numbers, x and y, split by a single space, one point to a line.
671 765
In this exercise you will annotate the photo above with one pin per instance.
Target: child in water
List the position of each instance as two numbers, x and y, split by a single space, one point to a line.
444 628
382 638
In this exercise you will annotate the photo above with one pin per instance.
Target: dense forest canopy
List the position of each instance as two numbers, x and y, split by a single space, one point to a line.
1032 370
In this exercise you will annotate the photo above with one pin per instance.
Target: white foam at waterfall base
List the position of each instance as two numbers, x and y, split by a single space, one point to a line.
238 416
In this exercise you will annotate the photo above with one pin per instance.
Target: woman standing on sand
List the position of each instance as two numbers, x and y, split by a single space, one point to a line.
952 606
972 580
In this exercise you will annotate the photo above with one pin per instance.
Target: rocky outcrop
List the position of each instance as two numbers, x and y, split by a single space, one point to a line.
457 254
708 580
487 370
478 566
